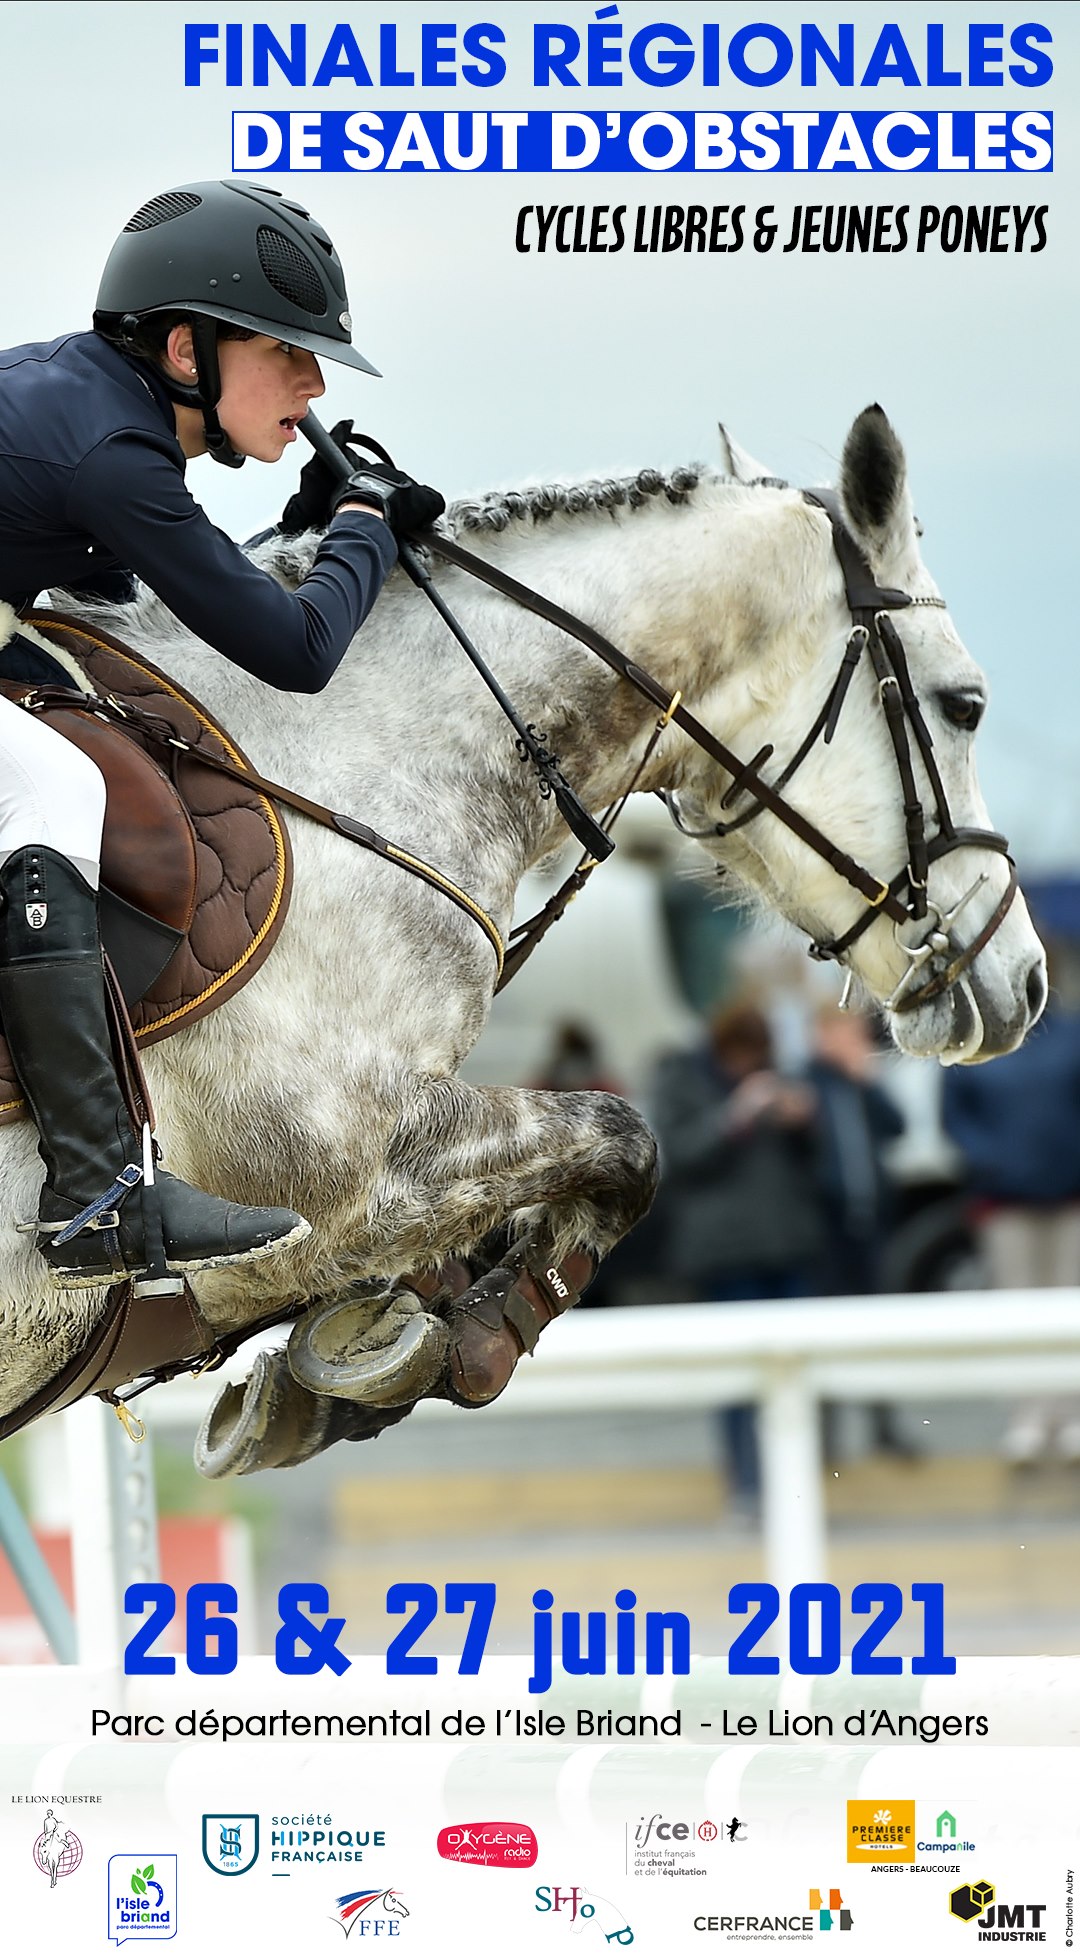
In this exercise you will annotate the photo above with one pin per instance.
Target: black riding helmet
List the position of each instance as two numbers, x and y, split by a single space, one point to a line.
235 252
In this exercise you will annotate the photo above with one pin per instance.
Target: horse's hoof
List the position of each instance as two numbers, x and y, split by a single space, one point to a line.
339 1352
265 1423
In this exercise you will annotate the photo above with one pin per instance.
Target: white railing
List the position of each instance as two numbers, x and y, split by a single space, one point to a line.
785 1356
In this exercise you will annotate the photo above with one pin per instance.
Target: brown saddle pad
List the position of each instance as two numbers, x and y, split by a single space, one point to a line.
202 854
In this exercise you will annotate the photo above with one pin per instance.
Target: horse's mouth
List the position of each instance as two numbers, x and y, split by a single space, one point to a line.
961 1027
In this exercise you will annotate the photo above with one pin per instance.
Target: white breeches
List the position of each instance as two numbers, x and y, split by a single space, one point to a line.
50 793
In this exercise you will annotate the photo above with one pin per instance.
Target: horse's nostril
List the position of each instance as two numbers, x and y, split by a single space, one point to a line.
1036 989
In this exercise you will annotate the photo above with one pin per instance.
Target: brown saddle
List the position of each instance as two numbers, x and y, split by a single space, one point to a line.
196 869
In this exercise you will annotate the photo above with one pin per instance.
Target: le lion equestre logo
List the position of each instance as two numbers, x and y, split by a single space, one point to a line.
881 1833
57 1853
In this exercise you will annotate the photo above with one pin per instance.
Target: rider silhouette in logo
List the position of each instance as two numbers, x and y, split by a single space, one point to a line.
56 1852
216 305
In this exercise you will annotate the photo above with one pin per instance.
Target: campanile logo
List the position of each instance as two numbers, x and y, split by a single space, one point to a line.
507 1845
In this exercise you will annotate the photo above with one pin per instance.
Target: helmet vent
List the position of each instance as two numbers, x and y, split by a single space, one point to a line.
289 270
170 204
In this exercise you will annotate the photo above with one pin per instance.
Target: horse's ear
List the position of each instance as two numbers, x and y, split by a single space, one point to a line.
737 462
874 488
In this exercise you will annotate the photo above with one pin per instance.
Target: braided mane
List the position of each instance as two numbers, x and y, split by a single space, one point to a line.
496 510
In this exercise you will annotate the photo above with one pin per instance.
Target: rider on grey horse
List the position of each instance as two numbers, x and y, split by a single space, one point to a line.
215 304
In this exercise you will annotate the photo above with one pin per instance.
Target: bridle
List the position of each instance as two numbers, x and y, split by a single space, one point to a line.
873 633
905 898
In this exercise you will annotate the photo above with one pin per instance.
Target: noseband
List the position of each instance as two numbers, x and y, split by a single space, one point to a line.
905 898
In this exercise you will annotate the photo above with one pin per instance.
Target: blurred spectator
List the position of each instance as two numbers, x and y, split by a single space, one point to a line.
855 1118
738 1159
575 1061
1017 1122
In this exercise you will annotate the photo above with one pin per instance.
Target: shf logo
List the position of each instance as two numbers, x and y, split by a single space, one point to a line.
589 1908
826 1922
230 1844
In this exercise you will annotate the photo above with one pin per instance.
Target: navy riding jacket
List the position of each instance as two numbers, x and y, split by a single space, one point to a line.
92 494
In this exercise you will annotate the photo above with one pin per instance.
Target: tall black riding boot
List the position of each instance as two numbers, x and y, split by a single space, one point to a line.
52 1003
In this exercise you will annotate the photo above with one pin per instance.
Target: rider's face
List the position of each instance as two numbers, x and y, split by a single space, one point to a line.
267 387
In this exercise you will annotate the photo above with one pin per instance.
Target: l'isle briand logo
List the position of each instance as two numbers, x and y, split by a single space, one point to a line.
230 1844
142 1896
994 1919
371 1915
881 1833
57 1852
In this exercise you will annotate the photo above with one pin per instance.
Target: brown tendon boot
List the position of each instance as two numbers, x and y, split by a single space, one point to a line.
502 1317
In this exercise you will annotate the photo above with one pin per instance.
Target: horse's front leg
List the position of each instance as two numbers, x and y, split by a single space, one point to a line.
573 1171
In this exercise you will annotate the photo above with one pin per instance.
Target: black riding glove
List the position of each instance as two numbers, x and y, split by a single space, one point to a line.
312 506
406 505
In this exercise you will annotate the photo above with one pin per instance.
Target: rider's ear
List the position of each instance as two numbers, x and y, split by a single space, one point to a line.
874 489
180 349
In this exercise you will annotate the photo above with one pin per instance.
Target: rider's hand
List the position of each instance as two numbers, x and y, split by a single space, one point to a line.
406 505
313 505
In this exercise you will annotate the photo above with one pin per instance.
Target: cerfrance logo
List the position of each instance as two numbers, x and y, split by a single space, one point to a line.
230 1844
142 1896
505 1845
835 1914
376 1913
57 1853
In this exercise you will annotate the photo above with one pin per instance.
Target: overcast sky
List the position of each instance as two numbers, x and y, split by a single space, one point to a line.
499 367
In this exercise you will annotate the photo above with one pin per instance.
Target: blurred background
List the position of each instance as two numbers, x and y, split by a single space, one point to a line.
804 1162
801 1159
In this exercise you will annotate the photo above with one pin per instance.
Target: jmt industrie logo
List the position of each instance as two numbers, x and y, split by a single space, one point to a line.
994 1919
881 1833
371 1915
230 1844
665 1847
57 1853
142 1896
489 1844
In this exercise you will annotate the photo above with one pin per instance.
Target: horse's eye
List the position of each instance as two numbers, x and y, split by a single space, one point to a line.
963 710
